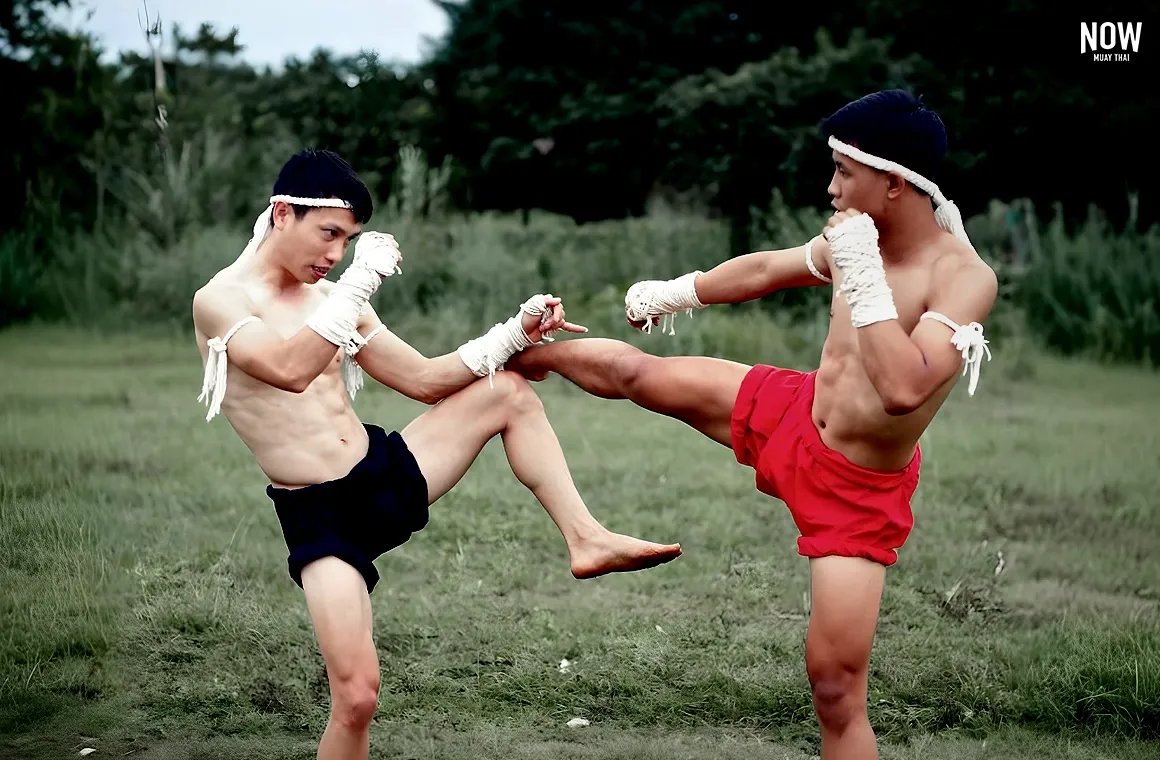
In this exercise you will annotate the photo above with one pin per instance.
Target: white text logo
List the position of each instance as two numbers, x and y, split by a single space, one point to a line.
1101 39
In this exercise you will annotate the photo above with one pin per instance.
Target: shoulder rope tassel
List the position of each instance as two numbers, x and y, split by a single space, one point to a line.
968 339
946 213
352 373
213 384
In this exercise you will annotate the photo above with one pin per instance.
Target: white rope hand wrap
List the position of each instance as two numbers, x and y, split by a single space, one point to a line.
376 255
662 298
968 339
854 248
487 353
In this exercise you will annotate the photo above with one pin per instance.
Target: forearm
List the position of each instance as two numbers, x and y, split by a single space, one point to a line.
298 360
896 366
392 362
755 275
739 279
442 376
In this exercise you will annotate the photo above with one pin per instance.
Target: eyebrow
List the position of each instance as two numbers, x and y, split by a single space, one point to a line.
341 228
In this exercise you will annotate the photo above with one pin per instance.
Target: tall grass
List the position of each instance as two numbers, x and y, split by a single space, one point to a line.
1095 291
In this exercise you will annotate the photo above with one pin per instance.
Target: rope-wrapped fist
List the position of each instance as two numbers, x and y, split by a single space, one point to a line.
853 242
378 252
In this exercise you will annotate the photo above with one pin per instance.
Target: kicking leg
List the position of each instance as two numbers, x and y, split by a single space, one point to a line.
446 440
845 596
697 390
340 608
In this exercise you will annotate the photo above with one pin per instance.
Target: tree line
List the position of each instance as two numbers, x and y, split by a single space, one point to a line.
589 110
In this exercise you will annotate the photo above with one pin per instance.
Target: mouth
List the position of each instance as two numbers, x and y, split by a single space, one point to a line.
319 272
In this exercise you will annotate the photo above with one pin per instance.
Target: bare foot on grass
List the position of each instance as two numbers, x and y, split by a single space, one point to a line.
614 553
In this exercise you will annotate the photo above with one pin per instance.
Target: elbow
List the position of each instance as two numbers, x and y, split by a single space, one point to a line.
292 380
899 402
426 395
425 391
295 383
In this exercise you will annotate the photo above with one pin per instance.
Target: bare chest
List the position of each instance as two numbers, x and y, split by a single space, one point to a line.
910 288
287 315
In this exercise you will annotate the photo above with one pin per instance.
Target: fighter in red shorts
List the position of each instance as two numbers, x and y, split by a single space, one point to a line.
838 445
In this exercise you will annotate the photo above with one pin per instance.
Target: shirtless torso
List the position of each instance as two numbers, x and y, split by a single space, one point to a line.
297 438
848 410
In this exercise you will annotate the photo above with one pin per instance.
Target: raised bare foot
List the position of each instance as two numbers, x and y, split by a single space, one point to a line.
614 553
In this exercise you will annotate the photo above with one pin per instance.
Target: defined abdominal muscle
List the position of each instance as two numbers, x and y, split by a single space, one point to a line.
853 413
300 438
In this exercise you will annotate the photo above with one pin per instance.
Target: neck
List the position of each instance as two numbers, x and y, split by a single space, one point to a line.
266 267
906 233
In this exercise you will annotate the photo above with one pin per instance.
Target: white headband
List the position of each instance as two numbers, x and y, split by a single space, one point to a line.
262 223
946 212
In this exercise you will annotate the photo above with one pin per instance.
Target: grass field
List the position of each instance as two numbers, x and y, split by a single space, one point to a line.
146 611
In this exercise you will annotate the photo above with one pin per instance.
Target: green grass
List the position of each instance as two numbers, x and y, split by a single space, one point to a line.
146 610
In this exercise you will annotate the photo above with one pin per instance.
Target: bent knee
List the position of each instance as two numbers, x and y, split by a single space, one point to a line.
635 370
839 692
355 698
513 391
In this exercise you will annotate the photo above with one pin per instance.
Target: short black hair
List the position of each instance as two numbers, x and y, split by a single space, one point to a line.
324 174
895 125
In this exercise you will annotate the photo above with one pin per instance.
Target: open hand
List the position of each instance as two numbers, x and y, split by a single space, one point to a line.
539 326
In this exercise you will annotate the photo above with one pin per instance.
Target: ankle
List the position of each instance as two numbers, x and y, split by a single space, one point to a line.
582 532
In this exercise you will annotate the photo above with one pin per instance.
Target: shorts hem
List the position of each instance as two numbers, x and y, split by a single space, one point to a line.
305 554
815 548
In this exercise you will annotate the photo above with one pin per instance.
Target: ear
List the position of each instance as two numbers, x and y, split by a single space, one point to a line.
894 186
282 214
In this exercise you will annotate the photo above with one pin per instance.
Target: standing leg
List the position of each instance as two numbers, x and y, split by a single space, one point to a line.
340 608
446 440
697 390
845 596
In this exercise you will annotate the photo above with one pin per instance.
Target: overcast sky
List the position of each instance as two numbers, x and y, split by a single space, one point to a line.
272 30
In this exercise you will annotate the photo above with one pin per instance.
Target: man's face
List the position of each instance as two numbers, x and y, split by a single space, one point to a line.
855 185
313 245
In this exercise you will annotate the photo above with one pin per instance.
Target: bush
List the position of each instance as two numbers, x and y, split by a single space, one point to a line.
1095 293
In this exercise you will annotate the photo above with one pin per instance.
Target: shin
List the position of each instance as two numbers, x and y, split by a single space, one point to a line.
845 600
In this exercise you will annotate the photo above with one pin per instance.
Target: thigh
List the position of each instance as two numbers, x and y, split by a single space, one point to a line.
340 609
446 439
845 596
697 390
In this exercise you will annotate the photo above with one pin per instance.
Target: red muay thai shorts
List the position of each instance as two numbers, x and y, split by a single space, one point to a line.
840 508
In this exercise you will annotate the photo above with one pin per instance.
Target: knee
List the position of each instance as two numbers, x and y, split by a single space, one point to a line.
355 698
633 368
839 694
513 391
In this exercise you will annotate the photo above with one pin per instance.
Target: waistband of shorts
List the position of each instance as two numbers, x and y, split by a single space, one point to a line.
309 493
836 461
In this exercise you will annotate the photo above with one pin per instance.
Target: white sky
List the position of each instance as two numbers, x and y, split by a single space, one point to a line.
272 30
